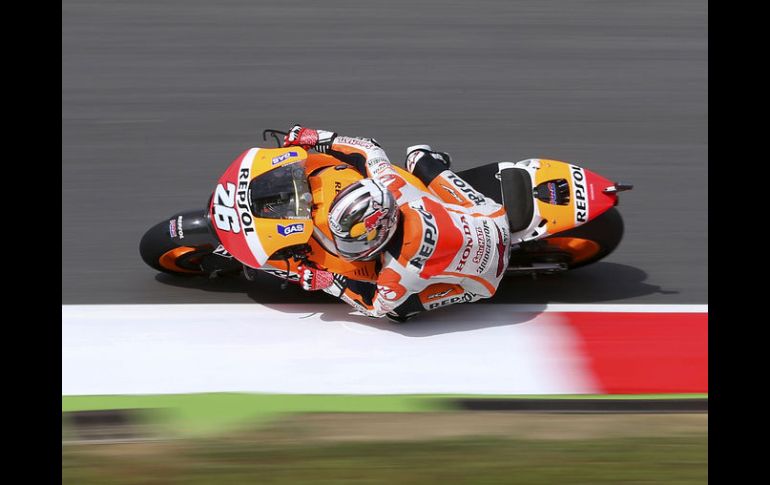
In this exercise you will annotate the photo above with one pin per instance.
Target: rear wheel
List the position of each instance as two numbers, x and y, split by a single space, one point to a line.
590 242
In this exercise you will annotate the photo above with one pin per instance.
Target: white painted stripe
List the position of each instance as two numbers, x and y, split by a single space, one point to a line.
480 349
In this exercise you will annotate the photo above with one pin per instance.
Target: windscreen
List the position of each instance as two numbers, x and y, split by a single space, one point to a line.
282 193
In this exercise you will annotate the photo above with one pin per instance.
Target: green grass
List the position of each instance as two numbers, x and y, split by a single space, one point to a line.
195 414
669 460
218 412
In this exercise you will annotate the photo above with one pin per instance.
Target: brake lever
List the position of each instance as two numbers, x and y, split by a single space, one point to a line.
274 134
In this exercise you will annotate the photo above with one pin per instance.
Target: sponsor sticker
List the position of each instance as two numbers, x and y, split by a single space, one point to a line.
389 287
380 168
411 160
468 244
172 228
390 294
221 251
501 248
378 165
376 161
552 197
371 222
464 298
291 276
429 237
435 296
463 186
452 193
361 142
290 229
579 189
284 157
231 209
484 251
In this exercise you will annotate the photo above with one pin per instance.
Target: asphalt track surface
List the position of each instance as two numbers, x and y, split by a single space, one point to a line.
158 97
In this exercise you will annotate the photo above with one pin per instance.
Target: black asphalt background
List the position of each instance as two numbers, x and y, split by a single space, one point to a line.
158 97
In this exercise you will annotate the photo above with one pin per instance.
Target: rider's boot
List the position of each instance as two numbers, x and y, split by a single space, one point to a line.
425 155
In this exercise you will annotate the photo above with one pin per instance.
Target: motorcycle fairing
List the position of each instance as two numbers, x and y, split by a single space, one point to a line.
250 239
587 198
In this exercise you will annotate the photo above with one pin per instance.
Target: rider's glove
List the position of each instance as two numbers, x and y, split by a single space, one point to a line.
313 279
308 138
301 137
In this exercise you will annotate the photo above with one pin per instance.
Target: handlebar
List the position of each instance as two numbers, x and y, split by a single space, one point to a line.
274 134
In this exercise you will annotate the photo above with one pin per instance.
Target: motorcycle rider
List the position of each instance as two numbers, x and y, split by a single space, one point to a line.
436 249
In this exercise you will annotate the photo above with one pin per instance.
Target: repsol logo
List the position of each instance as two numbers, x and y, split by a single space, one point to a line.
579 189
226 198
429 234
466 189
243 206
468 244
465 297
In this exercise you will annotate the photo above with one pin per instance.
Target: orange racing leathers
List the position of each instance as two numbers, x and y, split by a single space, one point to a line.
452 244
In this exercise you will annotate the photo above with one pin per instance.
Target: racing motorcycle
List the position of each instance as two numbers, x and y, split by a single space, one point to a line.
269 212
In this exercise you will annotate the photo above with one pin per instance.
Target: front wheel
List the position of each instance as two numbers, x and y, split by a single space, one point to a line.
178 245
590 242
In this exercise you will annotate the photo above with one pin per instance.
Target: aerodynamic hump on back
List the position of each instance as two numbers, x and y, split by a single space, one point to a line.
568 195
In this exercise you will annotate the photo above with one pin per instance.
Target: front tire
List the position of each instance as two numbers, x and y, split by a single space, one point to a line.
162 249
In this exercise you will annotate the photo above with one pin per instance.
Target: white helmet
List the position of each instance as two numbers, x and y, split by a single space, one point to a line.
363 218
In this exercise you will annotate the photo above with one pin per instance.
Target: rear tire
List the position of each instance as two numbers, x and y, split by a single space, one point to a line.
605 232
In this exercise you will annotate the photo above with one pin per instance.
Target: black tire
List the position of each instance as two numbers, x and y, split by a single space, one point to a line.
157 242
606 231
